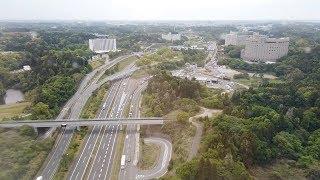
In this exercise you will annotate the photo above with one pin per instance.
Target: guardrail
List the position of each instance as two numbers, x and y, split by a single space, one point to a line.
83 122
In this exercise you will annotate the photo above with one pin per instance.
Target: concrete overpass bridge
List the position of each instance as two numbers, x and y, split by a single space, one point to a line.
83 122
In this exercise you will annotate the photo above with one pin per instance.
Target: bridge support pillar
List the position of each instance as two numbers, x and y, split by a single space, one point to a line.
35 130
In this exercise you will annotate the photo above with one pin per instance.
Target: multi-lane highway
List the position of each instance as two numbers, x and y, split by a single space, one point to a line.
96 157
75 105
131 142
82 161
102 164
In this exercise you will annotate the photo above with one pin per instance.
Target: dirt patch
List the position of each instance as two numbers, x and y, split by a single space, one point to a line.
199 129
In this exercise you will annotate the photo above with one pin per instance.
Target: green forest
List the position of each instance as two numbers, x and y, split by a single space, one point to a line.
264 125
58 61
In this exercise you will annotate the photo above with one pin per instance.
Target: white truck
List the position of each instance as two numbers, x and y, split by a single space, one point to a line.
123 161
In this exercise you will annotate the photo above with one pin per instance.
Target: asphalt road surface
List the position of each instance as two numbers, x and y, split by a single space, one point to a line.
78 170
130 144
163 162
74 105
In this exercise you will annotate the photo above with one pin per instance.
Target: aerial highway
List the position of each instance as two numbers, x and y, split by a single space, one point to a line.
131 142
104 158
95 159
131 146
85 83
77 171
74 107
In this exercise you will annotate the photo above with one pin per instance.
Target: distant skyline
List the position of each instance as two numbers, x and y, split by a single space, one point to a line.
160 10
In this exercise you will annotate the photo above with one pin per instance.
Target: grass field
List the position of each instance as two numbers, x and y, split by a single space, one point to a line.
149 155
255 81
96 63
94 103
139 74
9 111
126 62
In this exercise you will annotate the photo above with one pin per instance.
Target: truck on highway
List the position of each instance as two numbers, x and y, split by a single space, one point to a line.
123 161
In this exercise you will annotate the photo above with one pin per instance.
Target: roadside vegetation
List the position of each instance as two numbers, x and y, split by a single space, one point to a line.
118 67
149 155
21 154
270 131
167 59
94 103
95 63
13 110
177 99
58 61
123 64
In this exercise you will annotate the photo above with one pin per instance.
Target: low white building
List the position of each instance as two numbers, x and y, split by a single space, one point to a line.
102 45
171 37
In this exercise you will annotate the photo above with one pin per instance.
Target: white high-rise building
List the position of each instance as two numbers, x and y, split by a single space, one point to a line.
264 49
102 45
259 47
171 37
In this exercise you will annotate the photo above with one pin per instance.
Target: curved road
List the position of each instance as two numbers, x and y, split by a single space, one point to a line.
163 162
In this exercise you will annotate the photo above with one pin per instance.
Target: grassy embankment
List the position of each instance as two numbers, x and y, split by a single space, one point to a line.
90 110
96 63
21 154
255 81
181 135
149 155
12 110
93 104
118 67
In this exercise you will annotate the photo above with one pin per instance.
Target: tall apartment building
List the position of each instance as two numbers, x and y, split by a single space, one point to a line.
258 47
102 45
171 37
264 49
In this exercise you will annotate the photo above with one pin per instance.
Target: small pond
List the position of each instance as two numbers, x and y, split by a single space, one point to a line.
13 96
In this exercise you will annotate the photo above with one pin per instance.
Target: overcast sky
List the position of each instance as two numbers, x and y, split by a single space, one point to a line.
160 9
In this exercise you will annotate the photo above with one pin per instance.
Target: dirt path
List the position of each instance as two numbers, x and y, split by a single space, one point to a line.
197 138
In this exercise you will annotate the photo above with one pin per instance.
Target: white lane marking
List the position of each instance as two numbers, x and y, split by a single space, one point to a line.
77 175
105 130
54 152
164 159
114 140
84 150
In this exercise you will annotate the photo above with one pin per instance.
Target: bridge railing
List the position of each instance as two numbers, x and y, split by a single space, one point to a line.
83 122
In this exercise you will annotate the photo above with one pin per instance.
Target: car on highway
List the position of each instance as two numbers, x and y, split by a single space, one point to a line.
123 161
64 125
